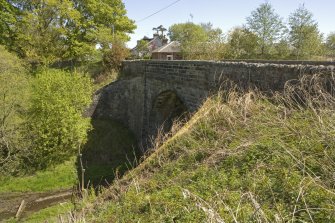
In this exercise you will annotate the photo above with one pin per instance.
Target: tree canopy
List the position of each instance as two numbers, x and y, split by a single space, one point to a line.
304 34
201 42
46 31
267 25
242 43
13 102
330 44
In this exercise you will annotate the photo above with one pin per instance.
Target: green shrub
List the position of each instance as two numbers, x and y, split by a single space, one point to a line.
13 101
112 58
56 125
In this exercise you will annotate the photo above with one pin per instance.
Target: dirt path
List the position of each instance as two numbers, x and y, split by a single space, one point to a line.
10 202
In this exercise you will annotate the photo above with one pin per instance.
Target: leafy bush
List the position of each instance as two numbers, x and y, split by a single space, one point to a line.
112 58
13 101
56 125
10 63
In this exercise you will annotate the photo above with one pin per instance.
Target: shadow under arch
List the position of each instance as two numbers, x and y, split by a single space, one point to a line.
167 107
110 151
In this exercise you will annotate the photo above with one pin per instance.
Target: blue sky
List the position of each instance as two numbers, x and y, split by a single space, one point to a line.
224 14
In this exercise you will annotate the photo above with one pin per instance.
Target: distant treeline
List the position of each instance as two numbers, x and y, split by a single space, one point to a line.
265 35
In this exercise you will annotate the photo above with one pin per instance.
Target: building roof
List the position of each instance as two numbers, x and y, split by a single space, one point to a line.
147 38
172 47
150 41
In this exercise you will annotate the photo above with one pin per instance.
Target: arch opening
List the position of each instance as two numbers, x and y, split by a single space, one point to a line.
166 109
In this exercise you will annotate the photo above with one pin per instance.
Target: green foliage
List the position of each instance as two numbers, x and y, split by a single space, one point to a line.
14 94
267 25
50 30
330 44
8 15
56 125
187 32
142 49
282 50
242 44
201 42
112 58
10 63
304 34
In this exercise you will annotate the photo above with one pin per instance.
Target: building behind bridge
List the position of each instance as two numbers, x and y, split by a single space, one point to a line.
170 51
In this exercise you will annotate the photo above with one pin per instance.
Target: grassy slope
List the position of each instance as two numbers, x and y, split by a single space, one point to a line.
245 160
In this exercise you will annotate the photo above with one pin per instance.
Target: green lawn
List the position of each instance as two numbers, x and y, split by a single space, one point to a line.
62 176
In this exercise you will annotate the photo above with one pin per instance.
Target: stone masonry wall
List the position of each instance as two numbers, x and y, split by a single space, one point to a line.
131 98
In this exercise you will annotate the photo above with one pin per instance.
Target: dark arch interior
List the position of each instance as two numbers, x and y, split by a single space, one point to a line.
167 107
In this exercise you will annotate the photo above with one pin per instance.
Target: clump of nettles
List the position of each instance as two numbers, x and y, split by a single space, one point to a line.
243 157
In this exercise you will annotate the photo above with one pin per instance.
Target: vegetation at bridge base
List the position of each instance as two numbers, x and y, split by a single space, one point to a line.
41 116
51 213
56 126
62 176
14 93
47 126
243 157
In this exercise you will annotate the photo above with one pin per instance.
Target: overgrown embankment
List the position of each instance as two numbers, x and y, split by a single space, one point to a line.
241 158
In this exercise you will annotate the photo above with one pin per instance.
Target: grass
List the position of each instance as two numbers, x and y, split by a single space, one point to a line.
241 158
51 214
62 176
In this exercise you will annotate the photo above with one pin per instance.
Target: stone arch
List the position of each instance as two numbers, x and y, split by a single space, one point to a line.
166 108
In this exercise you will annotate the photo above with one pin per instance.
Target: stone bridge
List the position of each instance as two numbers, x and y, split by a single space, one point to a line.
151 94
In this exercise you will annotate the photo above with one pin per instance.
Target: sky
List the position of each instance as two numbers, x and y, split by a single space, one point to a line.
224 14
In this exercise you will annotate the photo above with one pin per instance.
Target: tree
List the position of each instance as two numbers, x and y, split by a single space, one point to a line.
112 58
8 21
56 124
200 42
242 44
214 48
142 49
187 32
51 30
282 49
13 100
304 34
267 25
330 44
190 37
161 29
